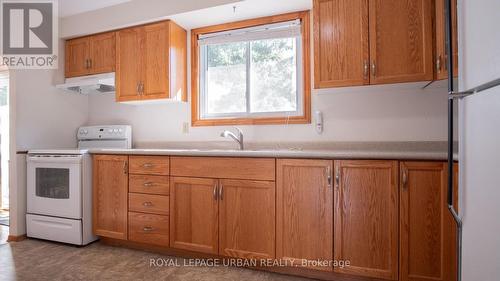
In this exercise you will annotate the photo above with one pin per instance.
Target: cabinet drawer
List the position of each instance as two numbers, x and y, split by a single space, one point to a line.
148 228
149 165
146 203
149 184
224 167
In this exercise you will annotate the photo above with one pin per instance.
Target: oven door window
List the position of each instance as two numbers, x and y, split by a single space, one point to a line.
52 183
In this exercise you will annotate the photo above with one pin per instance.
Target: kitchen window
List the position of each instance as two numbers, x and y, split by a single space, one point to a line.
251 73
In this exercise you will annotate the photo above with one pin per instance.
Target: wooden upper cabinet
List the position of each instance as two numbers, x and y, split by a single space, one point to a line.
90 55
151 62
247 219
156 54
110 192
401 40
341 53
128 63
428 232
440 63
366 218
102 53
304 214
194 214
77 57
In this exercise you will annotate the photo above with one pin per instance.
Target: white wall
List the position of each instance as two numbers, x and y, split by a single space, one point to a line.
480 139
383 113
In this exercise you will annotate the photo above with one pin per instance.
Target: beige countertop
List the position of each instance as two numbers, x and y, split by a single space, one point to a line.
328 150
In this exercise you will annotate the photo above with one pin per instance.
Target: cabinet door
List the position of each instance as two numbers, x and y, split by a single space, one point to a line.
155 75
247 219
441 57
110 192
366 217
304 214
77 57
129 63
341 43
401 39
102 53
194 214
428 232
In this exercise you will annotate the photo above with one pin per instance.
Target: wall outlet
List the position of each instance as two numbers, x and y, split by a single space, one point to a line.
185 127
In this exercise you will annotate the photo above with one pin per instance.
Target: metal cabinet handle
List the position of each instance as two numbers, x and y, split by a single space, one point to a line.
215 191
147 165
374 69
405 178
147 204
125 167
141 88
221 191
366 68
148 228
138 88
329 176
438 64
148 184
337 177
90 63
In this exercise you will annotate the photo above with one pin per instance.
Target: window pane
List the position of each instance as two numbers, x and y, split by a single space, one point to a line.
273 75
226 78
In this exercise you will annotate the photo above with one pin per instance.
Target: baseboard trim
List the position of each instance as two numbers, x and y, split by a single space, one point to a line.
14 238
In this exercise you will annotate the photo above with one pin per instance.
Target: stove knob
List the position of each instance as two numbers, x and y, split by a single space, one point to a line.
110 131
120 130
115 131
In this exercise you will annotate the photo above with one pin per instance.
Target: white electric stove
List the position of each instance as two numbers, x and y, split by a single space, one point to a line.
59 186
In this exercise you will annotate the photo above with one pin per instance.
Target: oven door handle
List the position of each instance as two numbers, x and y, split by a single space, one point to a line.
49 159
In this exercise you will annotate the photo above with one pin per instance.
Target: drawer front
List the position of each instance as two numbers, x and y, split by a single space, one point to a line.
149 184
146 203
224 167
148 228
149 165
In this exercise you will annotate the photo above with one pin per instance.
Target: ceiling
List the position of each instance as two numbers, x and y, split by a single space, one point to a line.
72 7
246 9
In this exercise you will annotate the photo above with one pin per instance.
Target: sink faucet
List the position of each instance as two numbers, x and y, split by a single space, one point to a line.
238 139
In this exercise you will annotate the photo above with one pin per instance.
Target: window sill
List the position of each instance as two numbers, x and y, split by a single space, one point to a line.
252 121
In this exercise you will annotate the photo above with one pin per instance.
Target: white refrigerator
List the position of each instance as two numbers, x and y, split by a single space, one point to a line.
479 139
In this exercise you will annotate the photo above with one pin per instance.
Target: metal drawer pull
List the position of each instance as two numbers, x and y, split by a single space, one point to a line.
148 184
221 191
147 165
148 228
147 204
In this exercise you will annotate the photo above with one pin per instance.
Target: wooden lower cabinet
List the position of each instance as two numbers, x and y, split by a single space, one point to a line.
194 214
148 228
366 218
304 211
110 192
247 219
428 232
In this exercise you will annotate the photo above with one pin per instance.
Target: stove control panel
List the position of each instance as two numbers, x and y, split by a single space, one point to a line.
110 132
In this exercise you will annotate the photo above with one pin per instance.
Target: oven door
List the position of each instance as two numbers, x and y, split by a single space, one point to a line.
54 185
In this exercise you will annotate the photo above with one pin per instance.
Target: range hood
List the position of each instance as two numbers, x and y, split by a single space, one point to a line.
90 84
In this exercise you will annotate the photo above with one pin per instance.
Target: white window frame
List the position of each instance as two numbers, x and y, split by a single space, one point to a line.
239 36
